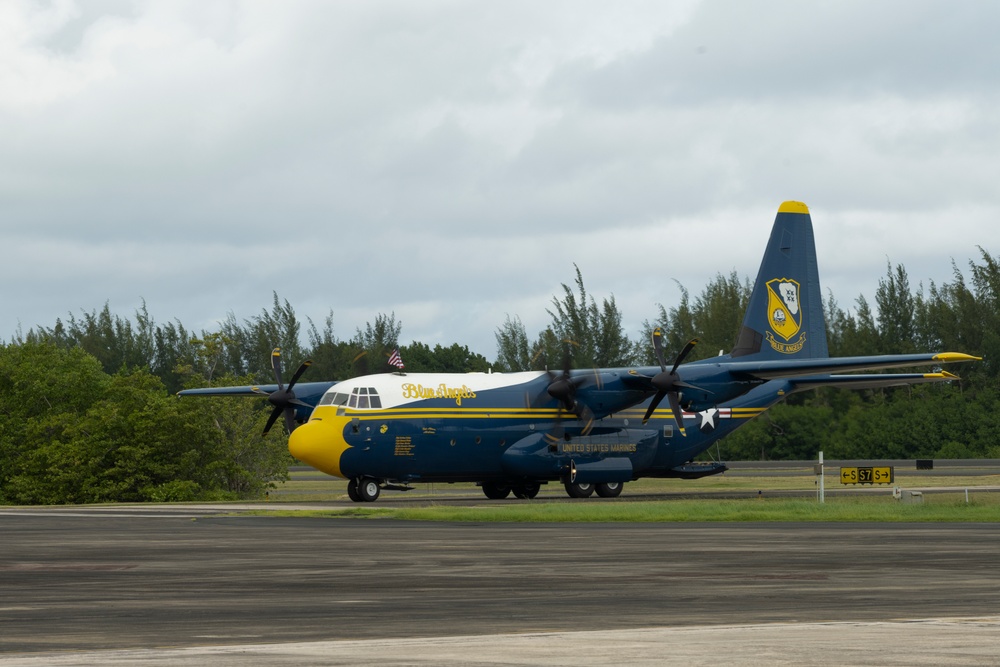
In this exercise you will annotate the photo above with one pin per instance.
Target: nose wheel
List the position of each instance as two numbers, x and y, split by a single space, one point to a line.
365 490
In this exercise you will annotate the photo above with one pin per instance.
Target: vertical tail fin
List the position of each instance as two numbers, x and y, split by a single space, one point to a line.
784 319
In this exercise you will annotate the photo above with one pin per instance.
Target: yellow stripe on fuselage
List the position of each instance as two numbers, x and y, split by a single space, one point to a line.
449 413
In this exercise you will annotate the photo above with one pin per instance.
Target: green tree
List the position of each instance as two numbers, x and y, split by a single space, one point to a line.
71 433
333 359
896 312
592 335
248 346
244 463
513 353
376 342
43 390
714 319
419 358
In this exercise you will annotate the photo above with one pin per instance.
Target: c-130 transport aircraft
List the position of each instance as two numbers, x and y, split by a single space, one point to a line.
590 429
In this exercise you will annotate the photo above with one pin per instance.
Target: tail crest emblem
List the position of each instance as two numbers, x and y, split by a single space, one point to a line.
784 315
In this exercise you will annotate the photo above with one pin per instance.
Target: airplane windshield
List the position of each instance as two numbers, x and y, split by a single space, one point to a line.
364 398
334 398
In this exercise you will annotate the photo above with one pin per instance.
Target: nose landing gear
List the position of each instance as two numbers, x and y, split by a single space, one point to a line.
363 490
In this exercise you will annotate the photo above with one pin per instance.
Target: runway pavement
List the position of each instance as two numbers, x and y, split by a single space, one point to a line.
185 587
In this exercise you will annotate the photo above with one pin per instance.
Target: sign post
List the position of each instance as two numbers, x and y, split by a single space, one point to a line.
821 479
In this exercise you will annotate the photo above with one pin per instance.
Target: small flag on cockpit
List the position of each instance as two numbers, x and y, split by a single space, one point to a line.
395 359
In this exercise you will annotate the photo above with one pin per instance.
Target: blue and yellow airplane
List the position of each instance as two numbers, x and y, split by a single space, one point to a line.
592 430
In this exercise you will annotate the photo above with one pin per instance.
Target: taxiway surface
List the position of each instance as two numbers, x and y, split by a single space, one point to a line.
74 582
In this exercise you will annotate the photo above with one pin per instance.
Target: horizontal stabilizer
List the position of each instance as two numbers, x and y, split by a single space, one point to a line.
871 381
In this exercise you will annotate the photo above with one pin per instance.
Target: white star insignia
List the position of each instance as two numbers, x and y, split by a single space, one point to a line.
708 419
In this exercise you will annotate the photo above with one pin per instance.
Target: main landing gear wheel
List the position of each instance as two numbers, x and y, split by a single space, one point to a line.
578 490
352 490
526 490
495 491
609 489
368 490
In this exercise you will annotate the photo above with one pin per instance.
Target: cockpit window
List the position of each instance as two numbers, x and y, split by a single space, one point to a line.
364 398
335 398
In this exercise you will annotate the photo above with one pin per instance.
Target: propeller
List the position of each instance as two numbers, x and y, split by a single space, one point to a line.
563 387
668 384
283 399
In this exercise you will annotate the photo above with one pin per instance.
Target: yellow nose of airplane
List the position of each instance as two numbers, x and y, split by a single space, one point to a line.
320 444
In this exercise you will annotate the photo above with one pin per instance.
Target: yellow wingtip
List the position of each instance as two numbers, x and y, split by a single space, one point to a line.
943 375
793 207
954 357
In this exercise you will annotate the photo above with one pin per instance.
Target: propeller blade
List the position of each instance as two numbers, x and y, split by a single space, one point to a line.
276 366
586 415
554 436
658 348
270 420
302 369
680 357
652 406
290 419
688 385
675 405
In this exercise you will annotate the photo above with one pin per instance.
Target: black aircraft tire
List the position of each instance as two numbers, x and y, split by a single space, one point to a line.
609 489
368 490
352 490
495 491
578 490
526 490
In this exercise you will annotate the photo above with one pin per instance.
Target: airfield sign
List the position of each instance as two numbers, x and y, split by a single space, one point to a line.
867 475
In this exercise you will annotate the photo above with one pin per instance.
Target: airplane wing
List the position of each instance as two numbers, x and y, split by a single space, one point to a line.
309 392
775 369
296 406
255 390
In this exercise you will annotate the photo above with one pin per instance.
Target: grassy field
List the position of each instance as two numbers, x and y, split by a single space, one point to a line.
747 497
315 486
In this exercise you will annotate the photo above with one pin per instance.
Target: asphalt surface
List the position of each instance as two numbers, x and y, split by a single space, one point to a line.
74 582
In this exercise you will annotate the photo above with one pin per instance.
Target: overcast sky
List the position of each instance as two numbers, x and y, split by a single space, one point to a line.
451 161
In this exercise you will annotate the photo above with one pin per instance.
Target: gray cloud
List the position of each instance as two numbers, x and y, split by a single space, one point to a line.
451 161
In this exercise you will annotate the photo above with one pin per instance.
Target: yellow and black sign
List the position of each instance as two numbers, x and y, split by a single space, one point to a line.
869 475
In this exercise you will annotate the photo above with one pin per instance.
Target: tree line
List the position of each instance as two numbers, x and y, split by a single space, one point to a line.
87 412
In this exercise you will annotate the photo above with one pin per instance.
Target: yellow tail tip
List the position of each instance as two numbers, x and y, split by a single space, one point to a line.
793 207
